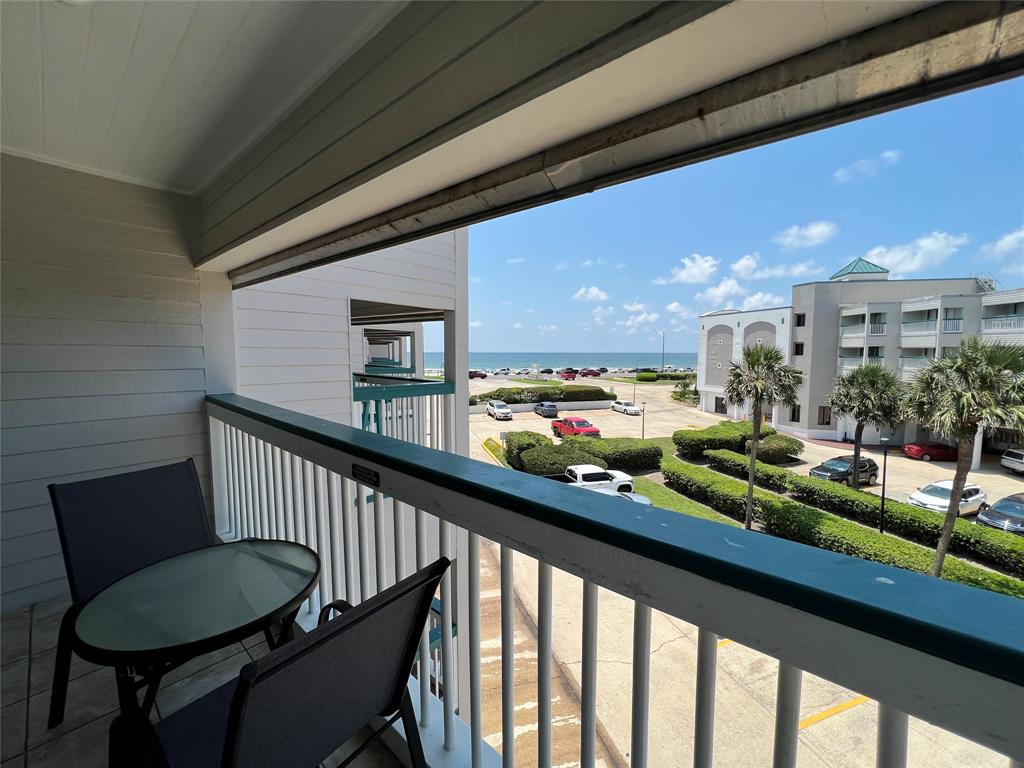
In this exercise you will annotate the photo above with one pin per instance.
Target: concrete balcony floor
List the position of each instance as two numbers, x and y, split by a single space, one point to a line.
28 645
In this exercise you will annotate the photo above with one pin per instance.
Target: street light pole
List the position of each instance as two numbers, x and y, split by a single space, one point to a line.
885 464
643 416
663 351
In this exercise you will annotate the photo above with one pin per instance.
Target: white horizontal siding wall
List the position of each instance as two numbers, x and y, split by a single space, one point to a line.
295 348
103 360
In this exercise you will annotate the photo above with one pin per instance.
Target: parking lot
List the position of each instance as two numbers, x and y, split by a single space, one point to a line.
837 726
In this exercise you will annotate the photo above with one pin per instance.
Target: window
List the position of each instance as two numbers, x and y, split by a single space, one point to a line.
720 405
798 348
794 414
782 321
875 353
824 415
953 313
801 320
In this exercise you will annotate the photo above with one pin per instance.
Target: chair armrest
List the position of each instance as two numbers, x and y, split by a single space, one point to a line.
338 605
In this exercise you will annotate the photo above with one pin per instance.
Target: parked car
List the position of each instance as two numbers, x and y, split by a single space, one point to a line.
1013 458
477 375
574 425
547 409
592 477
638 498
603 370
840 469
567 375
935 496
929 451
498 410
503 372
546 370
1006 514
625 406
590 372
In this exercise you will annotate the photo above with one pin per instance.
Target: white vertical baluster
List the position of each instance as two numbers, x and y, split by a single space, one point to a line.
349 532
399 521
236 449
261 484
278 475
787 716
380 541
421 562
298 506
323 539
508 658
447 663
641 684
543 664
268 474
475 713
335 522
247 475
704 713
893 732
364 542
254 486
288 494
588 679
309 508
228 472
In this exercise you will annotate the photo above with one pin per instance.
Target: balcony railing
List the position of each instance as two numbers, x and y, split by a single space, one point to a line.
852 330
1003 323
876 329
915 361
371 505
415 410
952 325
918 326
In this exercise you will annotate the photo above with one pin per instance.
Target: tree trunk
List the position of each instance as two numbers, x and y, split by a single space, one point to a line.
754 438
858 435
964 457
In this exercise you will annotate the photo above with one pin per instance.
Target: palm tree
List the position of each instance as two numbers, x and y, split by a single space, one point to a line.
982 387
763 379
869 394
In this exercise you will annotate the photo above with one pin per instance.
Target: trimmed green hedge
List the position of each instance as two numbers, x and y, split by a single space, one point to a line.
737 465
798 522
648 377
554 459
777 449
518 442
998 548
571 393
728 435
625 453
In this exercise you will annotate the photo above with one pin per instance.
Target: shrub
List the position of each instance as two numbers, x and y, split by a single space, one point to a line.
647 377
520 395
677 376
777 449
998 548
517 442
736 464
575 393
553 459
625 453
727 435
797 522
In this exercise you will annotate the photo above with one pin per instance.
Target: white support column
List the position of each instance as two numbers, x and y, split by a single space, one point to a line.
893 732
704 710
978 440
787 716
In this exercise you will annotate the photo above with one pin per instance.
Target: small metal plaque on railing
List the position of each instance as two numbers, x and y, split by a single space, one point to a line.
366 476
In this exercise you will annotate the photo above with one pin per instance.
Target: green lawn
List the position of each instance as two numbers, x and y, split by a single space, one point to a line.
668 448
669 499
539 382
496 450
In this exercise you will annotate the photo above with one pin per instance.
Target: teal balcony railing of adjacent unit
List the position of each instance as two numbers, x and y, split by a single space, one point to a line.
415 410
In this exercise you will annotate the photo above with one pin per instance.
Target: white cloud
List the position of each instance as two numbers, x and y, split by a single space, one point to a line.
529 311
866 167
594 263
695 269
632 332
747 267
562 266
644 318
680 311
593 293
620 265
808 236
926 252
506 302
476 279
475 324
719 294
515 261
544 330
517 326
761 300
601 313
634 306
1010 244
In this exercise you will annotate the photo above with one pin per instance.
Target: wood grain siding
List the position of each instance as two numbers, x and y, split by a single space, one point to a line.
295 345
103 362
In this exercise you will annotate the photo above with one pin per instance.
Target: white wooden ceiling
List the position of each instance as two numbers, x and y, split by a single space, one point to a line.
165 92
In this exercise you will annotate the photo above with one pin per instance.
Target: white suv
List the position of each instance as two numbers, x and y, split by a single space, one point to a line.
935 497
1013 458
625 406
499 410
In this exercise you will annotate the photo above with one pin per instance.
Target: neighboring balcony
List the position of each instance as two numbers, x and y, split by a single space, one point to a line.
1003 323
916 361
877 329
418 411
917 326
953 325
852 330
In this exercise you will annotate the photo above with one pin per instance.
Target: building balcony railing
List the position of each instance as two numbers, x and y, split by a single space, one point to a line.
918 326
852 330
415 410
952 325
915 361
373 507
1003 323
876 329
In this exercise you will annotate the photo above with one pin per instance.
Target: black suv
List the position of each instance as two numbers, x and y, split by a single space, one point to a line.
840 469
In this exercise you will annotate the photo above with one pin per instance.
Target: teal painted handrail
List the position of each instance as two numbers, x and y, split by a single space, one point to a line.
384 370
367 387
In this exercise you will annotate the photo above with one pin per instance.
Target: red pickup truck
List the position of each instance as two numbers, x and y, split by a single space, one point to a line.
567 375
574 425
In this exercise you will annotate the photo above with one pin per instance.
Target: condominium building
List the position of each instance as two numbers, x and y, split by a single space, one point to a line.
857 316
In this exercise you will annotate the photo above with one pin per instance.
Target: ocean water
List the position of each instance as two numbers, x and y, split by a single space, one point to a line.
489 361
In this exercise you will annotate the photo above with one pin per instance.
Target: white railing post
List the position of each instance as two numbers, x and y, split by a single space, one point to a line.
508 660
704 709
219 468
475 693
447 657
787 716
588 678
543 664
641 684
893 732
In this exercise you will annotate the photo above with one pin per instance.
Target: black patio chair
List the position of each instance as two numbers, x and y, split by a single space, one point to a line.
300 703
112 526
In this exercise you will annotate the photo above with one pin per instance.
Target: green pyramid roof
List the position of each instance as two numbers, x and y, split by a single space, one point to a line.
859 266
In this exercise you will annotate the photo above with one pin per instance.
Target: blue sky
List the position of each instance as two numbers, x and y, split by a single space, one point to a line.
935 190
